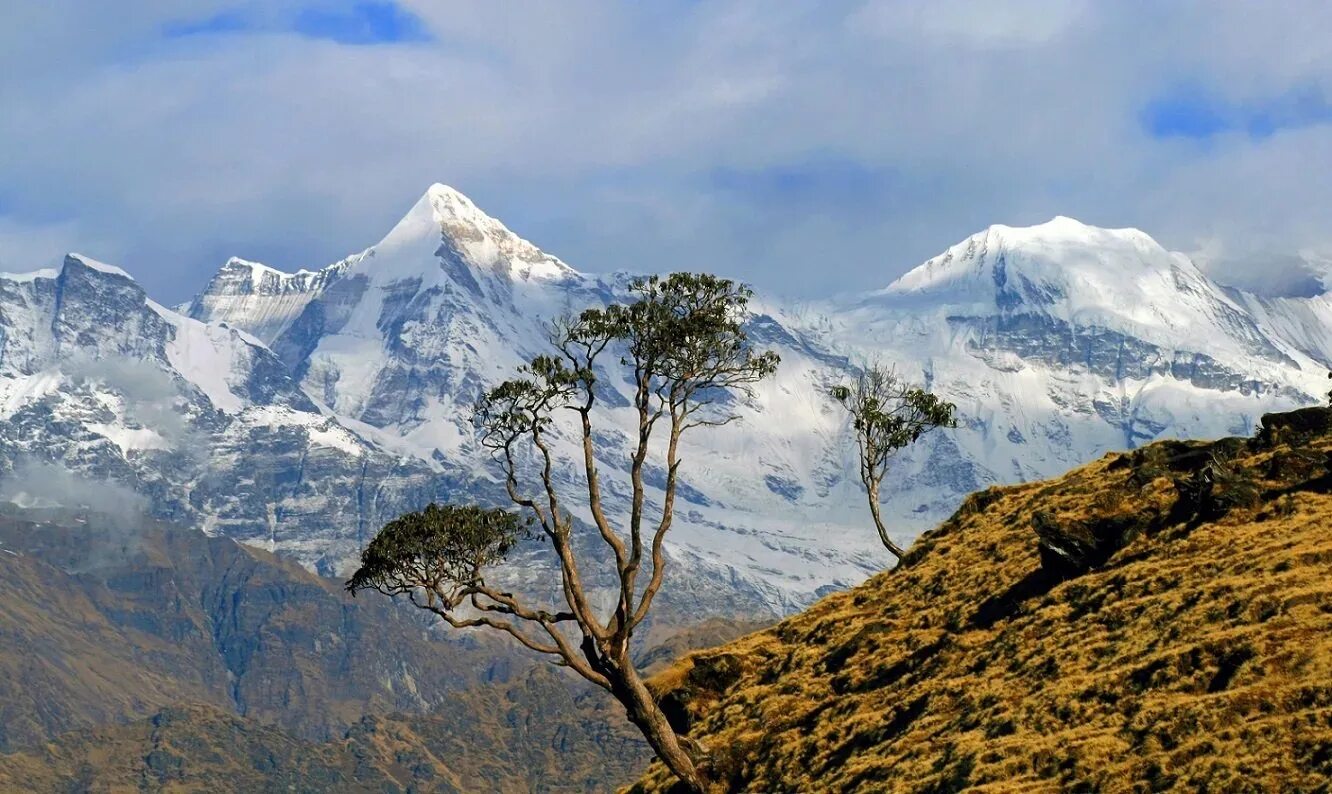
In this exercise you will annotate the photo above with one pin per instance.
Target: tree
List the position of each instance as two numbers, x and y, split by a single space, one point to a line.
683 349
888 414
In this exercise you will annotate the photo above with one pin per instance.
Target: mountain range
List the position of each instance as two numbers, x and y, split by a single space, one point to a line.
300 411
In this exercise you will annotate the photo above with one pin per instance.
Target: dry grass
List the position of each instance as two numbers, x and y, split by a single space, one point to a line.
1196 657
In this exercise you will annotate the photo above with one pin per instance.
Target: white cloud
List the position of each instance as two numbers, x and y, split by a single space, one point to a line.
599 130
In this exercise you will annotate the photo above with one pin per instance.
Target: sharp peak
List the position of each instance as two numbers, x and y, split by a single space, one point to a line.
439 190
439 205
444 210
445 203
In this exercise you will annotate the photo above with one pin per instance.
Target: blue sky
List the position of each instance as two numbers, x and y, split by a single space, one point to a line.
1204 114
356 23
810 148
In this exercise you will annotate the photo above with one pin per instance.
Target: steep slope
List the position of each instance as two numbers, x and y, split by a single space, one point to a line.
1154 620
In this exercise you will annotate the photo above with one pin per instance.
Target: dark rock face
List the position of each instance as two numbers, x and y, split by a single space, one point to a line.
90 302
106 624
1303 424
1068 548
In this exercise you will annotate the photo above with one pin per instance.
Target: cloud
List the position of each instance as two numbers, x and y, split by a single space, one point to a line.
150 397
40 485
809 148
116 515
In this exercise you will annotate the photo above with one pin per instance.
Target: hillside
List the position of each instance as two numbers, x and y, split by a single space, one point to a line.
104 625
139 654
162 655
534 733
1153 620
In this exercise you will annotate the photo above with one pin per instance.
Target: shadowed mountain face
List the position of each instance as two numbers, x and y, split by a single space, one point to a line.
1155 620
140 655
105 625
178 658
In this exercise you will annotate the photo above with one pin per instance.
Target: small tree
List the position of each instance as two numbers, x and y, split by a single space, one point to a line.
682 348
888 415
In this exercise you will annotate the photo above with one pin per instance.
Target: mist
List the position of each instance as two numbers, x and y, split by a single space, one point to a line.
38 485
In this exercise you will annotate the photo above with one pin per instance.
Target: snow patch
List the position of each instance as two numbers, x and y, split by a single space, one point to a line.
101 267
24 278
130 438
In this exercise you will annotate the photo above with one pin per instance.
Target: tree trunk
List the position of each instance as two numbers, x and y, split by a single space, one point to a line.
872 488
648 717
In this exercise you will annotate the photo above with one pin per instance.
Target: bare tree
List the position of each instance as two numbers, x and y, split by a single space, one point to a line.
888 414
683 349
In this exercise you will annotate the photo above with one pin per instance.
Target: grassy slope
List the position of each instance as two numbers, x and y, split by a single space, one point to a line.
1197 656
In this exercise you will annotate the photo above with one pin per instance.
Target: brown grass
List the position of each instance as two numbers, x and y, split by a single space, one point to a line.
1197 657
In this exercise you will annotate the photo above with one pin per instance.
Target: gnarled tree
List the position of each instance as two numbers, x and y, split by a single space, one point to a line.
887 415
682 347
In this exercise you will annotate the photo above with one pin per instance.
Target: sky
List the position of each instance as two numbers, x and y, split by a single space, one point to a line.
808 148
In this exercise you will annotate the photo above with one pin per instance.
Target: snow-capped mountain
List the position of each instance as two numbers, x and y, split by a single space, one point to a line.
202 421
1062 341
320 403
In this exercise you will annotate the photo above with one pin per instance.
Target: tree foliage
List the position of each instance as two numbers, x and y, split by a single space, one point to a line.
682 347
888 414
442 550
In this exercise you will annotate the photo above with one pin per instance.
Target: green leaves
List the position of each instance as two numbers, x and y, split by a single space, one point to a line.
682 337
440 548
523 405
888 414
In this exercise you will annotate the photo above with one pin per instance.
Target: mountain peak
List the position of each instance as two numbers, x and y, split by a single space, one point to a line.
93 264
444 218
438 209
444 193
1063 254
1064 228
